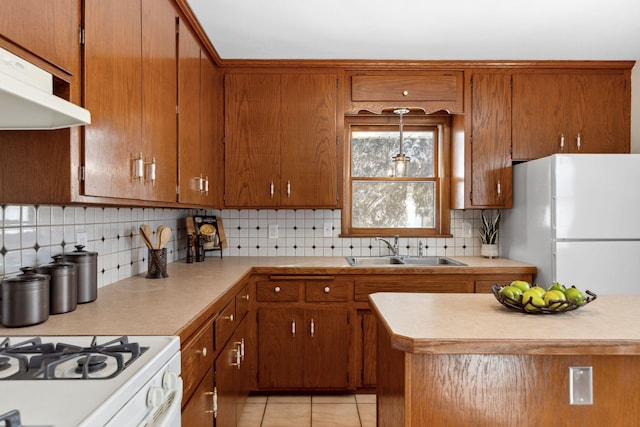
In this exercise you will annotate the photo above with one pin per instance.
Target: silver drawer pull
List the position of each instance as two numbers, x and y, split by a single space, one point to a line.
326 289
405 93
203 352
276 289
229 317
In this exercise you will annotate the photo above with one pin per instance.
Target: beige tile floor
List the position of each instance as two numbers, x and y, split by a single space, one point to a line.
351 410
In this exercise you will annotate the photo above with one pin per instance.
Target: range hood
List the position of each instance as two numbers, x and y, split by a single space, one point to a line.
27 101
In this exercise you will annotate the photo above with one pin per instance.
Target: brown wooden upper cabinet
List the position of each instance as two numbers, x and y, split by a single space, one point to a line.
199 89
429 91
130 89
482 173
571 112
280 140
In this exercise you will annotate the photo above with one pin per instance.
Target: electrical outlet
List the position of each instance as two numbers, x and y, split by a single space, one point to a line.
466 229
273 231
81 238
327 229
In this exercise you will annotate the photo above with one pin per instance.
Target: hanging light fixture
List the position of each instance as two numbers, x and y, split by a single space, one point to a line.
400 160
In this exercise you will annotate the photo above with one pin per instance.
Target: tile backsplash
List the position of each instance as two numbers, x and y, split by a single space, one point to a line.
30 235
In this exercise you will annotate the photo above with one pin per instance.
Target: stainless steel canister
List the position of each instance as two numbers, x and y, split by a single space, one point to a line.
25 298
87 272
63 289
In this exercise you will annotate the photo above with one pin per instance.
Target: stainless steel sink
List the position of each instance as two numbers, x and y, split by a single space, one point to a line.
427 261
375 260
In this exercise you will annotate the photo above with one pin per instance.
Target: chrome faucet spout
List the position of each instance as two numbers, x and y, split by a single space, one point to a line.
394 248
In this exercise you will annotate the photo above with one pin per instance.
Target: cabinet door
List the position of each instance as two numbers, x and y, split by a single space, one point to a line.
281 337
227 369
253 133
49 29
326 351
308 152
198 411
538 116
211 149
367 348
112 81
189 116
602 106
159 81
491 173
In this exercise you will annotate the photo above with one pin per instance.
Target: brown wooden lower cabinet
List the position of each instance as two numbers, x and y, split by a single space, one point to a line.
199 409
230 379
303 348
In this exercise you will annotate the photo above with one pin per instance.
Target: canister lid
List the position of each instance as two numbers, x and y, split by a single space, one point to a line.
29 275
79 253
58 266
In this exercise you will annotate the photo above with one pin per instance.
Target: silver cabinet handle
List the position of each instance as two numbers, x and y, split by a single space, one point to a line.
138 168
579 141
206 186
288 188
151 171
242 348
229 318
245 297
293 327
326 289
271 189
214 402
313 327
203 352
405 93
499 189
562 142
276 289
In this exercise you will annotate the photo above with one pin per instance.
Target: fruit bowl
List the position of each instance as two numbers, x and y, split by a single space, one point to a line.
553 307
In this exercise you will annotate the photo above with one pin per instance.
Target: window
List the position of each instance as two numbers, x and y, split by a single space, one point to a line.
377 203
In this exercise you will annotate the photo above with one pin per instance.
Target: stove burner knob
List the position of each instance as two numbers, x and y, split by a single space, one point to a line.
170 380
155 397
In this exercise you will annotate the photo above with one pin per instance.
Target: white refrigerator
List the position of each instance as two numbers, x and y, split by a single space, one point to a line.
576 217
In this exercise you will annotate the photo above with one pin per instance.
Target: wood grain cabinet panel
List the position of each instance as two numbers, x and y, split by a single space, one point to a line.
280 140
481 151
429 91
303 348
570 113
130 89
197 355
198 411
199 89
278 291
329 291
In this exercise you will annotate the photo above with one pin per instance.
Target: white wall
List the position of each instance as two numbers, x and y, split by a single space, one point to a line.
635 108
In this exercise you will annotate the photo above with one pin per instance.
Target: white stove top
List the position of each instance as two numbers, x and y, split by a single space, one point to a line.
86 402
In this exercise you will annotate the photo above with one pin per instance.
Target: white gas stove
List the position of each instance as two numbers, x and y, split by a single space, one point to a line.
90 381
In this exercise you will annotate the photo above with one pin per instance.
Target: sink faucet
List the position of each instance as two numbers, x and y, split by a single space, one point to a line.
395 248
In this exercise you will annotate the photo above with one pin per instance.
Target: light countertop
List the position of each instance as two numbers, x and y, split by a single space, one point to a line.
479 324
140 306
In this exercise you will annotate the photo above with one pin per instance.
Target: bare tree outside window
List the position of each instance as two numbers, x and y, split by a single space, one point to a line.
380 201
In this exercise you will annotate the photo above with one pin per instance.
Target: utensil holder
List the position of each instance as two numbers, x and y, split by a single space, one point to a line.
157 264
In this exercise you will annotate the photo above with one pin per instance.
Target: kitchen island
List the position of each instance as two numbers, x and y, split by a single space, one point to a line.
464 359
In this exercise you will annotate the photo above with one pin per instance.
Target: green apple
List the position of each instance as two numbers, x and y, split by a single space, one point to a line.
575 295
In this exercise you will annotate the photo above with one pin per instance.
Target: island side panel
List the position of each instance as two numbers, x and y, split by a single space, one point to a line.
523 390
390 387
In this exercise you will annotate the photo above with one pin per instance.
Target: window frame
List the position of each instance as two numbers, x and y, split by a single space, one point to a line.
443 174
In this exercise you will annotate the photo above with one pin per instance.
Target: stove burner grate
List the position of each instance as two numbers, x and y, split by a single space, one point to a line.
66 361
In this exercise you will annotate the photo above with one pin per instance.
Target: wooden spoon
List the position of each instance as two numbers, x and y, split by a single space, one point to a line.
165 236
146 233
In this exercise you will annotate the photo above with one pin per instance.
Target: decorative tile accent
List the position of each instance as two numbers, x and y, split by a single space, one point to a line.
30 235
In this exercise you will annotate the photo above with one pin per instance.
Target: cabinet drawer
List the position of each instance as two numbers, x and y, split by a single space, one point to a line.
325 291
276 291
196 358
423 87
225 324
242 303
364 288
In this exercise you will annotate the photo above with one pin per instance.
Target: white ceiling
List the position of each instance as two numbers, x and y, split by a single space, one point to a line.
422 29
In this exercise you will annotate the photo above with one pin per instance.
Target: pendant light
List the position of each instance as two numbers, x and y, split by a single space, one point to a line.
400 160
